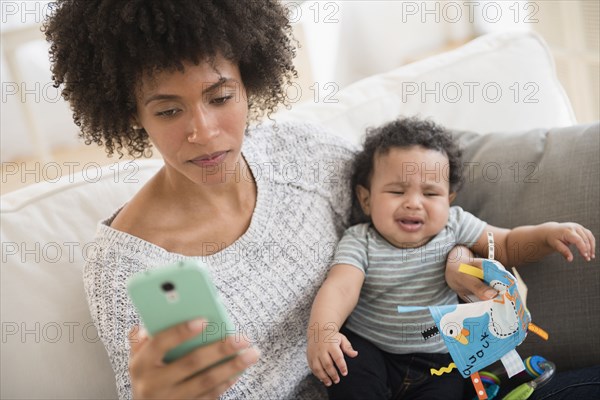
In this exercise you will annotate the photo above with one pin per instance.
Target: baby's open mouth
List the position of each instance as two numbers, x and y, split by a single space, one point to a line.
410 224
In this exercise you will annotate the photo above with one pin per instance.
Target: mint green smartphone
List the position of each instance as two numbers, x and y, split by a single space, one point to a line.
177 293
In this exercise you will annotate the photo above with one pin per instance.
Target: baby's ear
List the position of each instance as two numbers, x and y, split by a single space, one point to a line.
452 196
364 196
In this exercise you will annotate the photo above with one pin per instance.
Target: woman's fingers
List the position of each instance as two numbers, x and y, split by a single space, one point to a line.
207 371
137 337
480 289
145 361
168 339
467 286
464 285
233 347
212 382
473 290
212 394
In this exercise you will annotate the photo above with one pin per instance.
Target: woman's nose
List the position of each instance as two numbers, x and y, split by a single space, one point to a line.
202 128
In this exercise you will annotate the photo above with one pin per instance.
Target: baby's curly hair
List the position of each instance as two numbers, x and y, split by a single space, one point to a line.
100 49
402 133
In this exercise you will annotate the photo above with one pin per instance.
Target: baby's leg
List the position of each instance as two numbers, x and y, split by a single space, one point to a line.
411 378
367 375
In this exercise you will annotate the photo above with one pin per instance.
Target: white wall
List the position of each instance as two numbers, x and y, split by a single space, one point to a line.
35 119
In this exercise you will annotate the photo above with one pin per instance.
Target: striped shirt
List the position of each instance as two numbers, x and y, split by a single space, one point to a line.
407 277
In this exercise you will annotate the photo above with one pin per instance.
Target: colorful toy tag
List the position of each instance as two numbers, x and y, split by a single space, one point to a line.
478 334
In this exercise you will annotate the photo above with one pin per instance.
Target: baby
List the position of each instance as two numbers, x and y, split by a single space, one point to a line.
405 179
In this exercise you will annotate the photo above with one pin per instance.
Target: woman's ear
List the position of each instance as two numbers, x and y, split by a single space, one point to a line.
364 196
452 196
135 123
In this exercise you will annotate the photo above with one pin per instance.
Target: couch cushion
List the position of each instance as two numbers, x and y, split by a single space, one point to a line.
533 177
474 87
50 347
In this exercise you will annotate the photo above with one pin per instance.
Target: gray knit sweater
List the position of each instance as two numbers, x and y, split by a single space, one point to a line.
267 279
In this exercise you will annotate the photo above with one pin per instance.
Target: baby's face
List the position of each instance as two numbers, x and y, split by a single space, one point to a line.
409 198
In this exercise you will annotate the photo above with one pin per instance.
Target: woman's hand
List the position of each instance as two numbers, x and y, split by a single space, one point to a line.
466 285
151 378
326 352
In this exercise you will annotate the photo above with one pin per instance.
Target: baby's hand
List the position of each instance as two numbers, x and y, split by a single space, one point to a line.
326 353
560 236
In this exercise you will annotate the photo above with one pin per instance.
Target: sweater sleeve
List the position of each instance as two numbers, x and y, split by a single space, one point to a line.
106 323
105 275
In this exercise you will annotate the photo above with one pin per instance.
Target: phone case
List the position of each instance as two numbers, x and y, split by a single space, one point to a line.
176 293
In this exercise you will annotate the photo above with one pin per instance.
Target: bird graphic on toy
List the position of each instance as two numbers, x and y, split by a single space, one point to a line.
503 321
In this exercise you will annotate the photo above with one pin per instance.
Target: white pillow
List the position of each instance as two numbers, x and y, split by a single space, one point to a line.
498 82
50 348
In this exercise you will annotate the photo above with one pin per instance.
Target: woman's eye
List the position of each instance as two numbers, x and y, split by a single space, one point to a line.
167 113
221 100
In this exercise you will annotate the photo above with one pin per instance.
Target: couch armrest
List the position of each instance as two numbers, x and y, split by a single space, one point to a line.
47 232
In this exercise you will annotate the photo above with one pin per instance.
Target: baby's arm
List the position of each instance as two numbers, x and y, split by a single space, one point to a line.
333 304
525 244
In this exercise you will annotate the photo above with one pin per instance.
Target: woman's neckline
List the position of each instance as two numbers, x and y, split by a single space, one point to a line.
258 222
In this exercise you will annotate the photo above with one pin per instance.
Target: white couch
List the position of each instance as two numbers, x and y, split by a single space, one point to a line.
49 347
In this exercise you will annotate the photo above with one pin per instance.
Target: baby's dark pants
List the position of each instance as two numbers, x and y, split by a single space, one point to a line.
375 374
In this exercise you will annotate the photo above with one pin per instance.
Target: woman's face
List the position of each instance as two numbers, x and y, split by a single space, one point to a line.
196 119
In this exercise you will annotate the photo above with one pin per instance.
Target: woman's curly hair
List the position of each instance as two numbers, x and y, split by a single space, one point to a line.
100 49
402 133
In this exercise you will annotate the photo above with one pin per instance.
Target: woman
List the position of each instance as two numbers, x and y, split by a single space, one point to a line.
262 207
